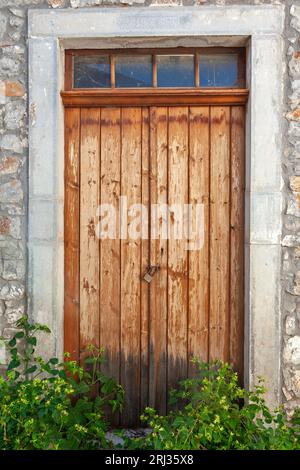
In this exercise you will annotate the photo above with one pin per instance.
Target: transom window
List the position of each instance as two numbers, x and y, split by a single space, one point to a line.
165 68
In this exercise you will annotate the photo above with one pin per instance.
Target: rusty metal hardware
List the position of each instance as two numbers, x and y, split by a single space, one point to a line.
150 271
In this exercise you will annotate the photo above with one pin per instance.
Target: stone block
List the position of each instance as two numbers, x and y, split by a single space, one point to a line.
11 66
294 67
13 209
3 355
291 240
41 293
295 383
11 192
291 352
41 219
295 12
16 21
12 315
44 57
18 12
265 301
265 218
296 289
11 142
56 3
20 3
294 115
142 21
9 165
290 325
11 249
15 112
295 183
3 23
266 140
293 205
11 290
13 270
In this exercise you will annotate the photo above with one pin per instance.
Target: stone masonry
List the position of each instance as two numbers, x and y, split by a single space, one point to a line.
14 164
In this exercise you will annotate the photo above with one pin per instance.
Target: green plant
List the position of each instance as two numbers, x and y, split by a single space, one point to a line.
213 412
46 404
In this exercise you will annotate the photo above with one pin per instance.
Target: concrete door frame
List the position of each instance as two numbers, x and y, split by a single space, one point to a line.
260 28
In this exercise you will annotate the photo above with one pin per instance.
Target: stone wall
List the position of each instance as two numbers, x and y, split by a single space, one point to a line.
291 217
14 163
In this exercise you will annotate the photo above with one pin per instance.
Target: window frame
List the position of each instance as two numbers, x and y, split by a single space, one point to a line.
196 51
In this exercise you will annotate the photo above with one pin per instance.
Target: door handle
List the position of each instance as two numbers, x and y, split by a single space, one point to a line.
150 271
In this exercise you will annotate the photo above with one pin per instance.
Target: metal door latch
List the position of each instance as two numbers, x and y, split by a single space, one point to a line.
150 271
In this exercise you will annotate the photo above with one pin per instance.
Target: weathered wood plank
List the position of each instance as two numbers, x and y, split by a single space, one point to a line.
237 239
89 242
145 261
158 256
219 230
131 266
199 258
110 243
71 232
177 253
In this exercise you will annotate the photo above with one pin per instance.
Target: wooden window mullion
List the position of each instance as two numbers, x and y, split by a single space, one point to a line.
113 71
197 73
154 71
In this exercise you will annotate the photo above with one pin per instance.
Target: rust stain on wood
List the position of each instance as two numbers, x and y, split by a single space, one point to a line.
91 228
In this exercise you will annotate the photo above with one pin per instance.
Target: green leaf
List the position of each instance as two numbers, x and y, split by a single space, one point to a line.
14 351
53 360
20 335
43 328
32 340
30 370
13 364
12 343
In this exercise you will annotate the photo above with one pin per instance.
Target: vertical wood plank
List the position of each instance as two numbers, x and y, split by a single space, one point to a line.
130 266
145 261
158 256
110 248
199 259
237 239
177 253
219 230
71 232
89 242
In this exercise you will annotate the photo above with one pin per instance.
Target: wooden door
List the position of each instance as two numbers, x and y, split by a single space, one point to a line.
193 306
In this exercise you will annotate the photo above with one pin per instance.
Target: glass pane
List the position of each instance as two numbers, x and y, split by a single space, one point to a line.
175 70
91 72
133 71
219 70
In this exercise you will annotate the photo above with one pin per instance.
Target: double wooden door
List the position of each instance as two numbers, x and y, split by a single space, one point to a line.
194 304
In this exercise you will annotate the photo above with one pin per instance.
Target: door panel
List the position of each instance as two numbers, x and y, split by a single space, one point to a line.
237 239
145 261
177 253
110 274
199 186
193 306
158 256
131 264
71 232
89 242
219 233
